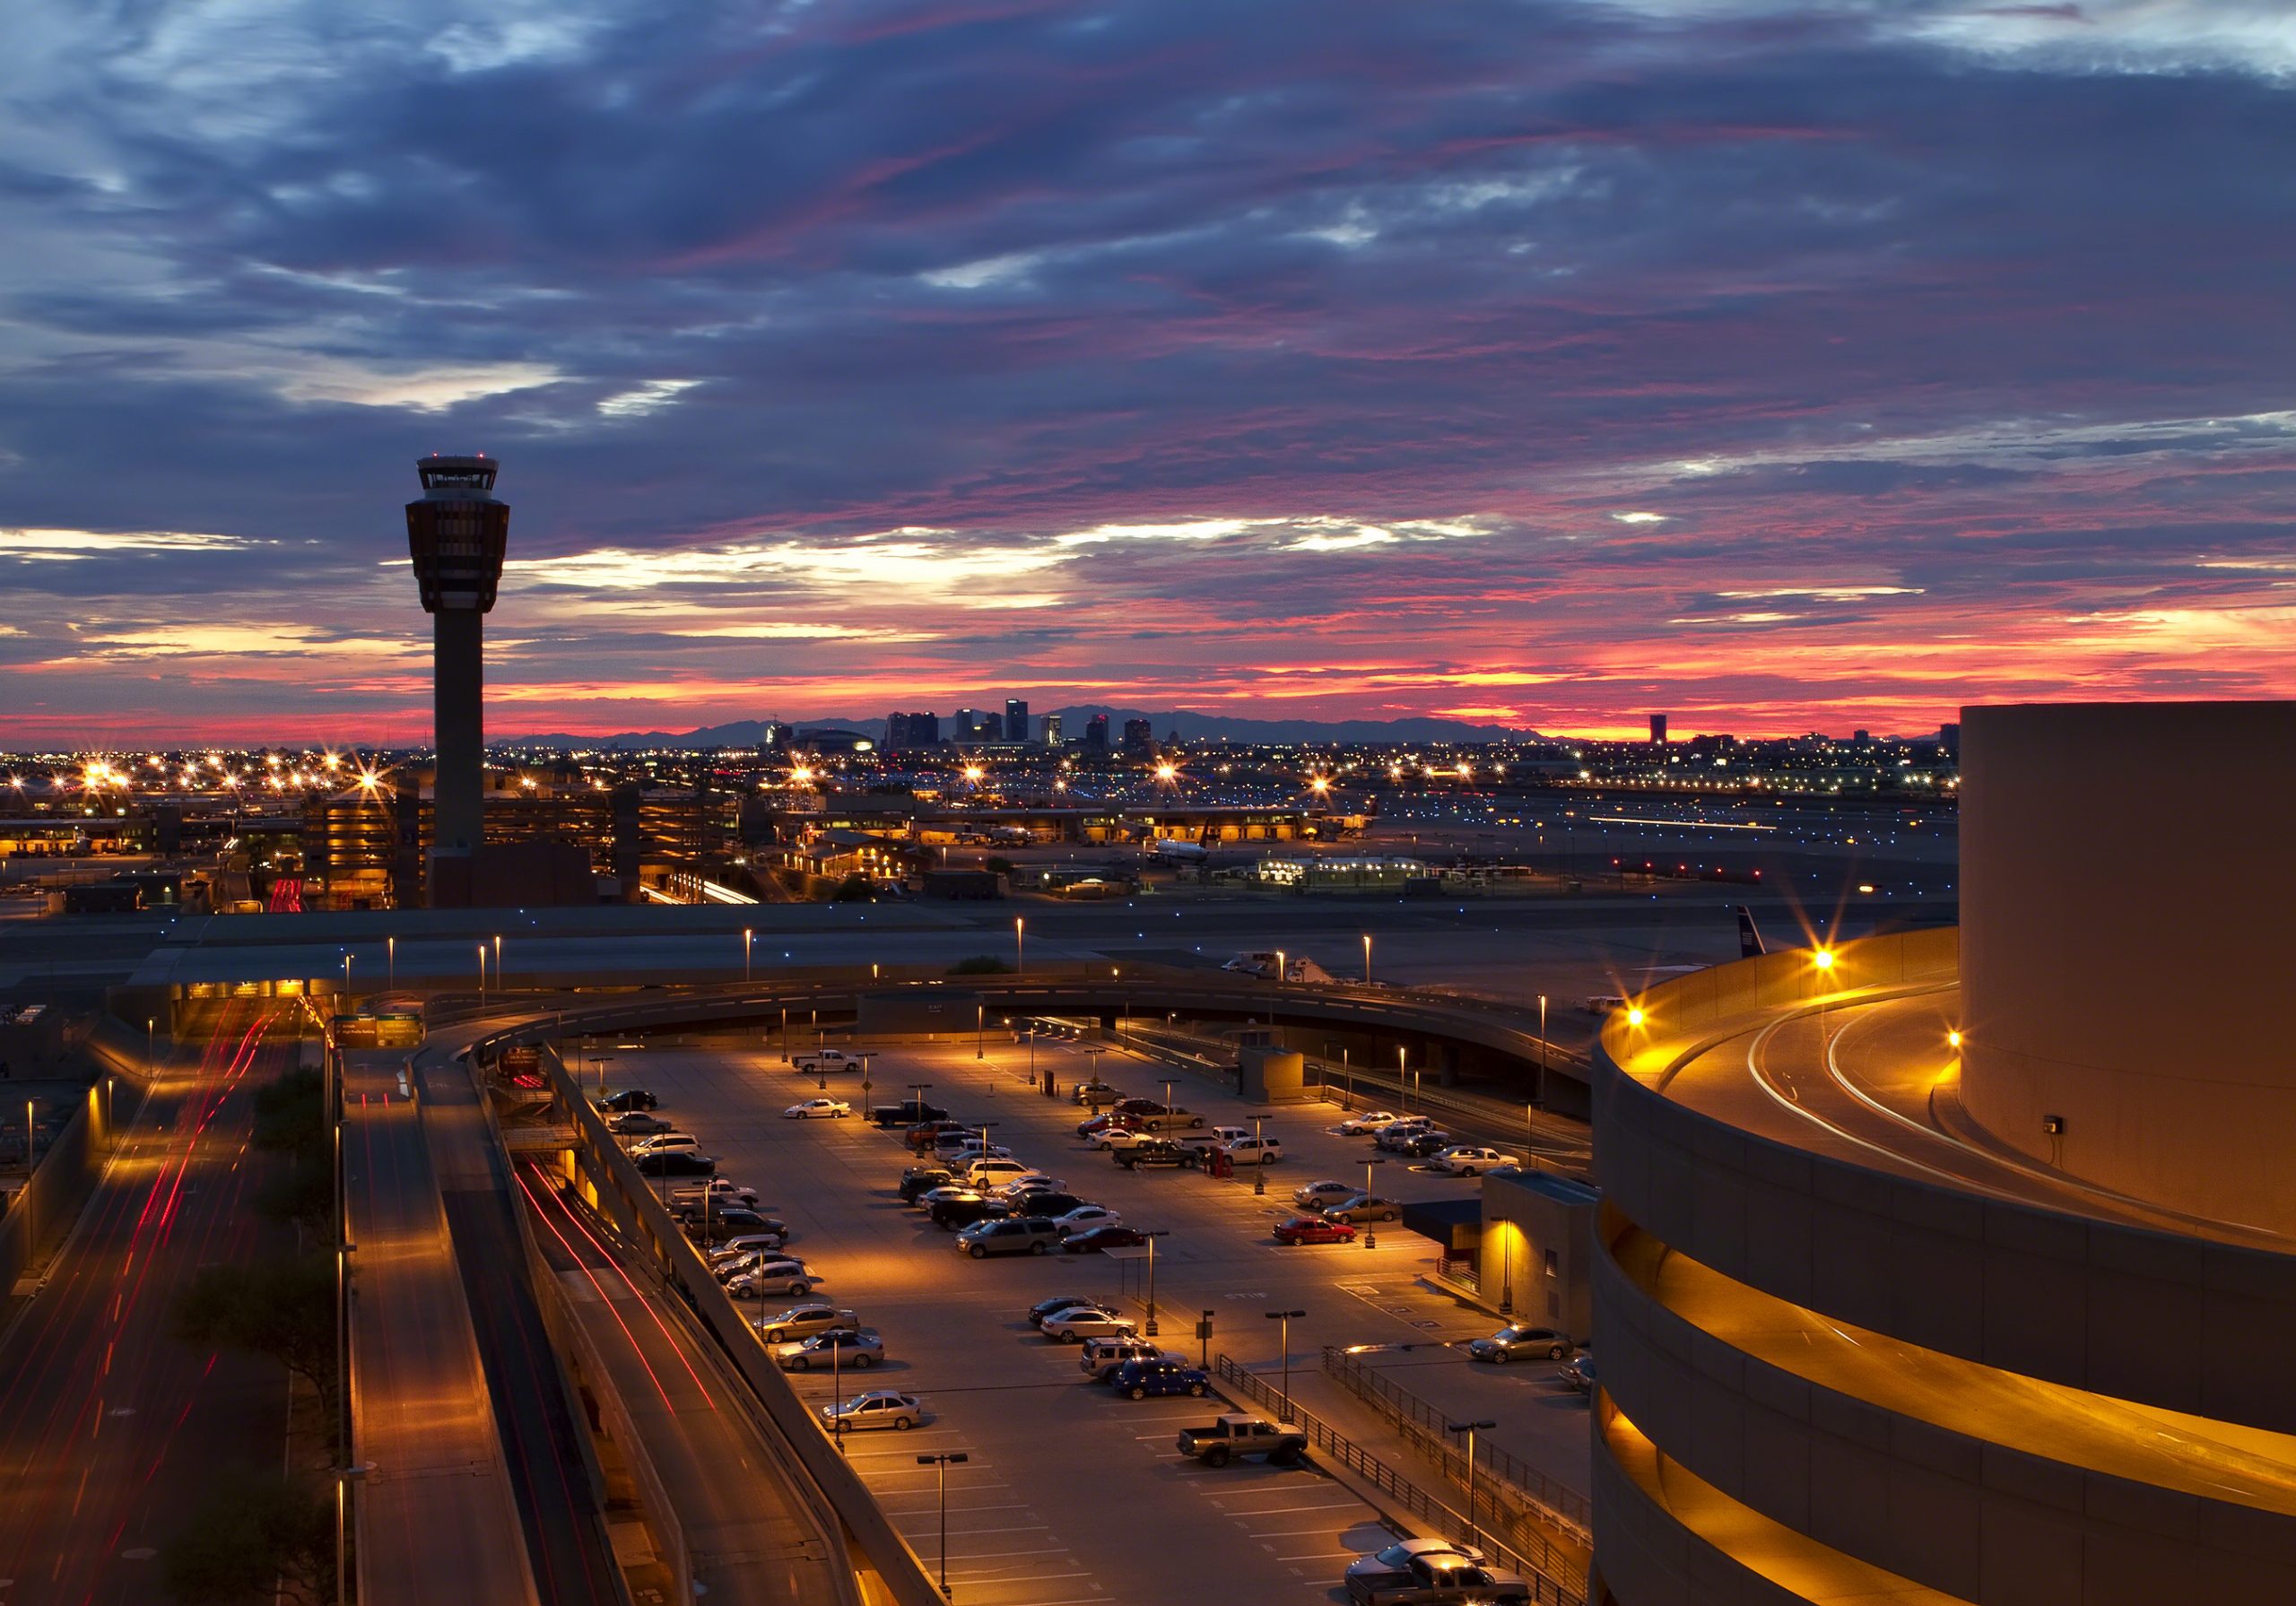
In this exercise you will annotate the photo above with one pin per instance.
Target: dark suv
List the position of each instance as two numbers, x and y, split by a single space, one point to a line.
1157 1151
953 1213
924 1179
629 1099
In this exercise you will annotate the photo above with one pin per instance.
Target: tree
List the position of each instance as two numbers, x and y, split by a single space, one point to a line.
980 964
291 1114
284 1309
252 1533
302 1197
856 889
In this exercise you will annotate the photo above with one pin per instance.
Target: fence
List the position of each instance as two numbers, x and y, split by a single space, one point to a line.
1565 1507
1558 1582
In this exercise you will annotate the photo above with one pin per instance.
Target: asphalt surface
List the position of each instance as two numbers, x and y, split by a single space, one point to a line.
437 1517
542 1444
1072 1494
107 1425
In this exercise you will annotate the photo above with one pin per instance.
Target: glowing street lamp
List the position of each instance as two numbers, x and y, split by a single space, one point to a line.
1367 959
1020 953
747 935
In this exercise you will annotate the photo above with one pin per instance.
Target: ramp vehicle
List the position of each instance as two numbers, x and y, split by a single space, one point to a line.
1238 1434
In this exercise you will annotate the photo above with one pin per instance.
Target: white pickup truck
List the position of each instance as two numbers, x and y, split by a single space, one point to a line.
827 1059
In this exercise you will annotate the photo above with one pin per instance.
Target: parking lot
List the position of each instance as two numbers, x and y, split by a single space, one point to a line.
1071 1494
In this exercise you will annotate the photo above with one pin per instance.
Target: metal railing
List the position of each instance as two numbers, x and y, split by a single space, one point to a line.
1556 1583
1566 1507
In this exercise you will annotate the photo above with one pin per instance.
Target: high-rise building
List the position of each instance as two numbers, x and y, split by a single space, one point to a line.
456 534
1949 737
1052 730
1139 738
975 724
1096 734
907 732
1016 719
776 739
1658 728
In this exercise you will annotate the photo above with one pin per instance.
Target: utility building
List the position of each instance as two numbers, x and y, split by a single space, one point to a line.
456 534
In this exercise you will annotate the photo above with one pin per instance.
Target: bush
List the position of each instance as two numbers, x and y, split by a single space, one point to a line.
980 964
290 1114
284 1309
252 1533
855 888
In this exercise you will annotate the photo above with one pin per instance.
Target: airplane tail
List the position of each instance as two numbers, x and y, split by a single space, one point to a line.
1750 943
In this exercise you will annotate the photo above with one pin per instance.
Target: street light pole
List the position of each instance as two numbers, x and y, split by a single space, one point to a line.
1149 1330
1284 1340
1367 959
1371 1226
482 975
1259 1154
1403 1063
390 953
747 934
943 1459
1541 1100
1469 1430
980 1033
1020 952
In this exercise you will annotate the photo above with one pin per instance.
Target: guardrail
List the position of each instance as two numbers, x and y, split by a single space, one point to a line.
1565 1507
1547 1588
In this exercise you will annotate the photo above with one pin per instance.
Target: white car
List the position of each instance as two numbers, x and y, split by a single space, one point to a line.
1365 1121
663 1142
994 1171
1228 1134
1468 1161
1027 1182
1254 1151
1074 1326
816 1108
879 1408
1085 1217
1317 1195
1103 1355
752 1259
1115 1139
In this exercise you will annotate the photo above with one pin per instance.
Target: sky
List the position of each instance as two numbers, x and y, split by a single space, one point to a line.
1782 367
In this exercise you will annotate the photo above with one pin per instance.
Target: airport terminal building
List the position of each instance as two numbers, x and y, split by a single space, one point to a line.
1960 1265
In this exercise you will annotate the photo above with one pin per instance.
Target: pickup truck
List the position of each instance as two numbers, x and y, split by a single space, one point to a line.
687 1198
1439 1579
1236 1433
908 1112
1156 1152
826 1059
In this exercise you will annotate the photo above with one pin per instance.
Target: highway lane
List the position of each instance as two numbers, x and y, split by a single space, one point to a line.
109 1427
571 1559
746 1528
437 1517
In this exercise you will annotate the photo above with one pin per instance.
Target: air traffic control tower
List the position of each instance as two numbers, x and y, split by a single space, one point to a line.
455 534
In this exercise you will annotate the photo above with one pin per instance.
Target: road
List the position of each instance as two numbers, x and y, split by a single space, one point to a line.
437 1517
110 1427
566 1540
750 1537
1052 1456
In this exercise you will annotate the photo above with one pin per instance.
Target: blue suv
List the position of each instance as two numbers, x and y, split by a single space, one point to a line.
1145 1379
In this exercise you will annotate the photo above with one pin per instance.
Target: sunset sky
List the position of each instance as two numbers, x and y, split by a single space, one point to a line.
1783 367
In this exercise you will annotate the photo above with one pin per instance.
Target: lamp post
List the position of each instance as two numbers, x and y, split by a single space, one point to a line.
1168 1083
482 975
1367 959
498 961
1540 1098
1371 1227
1824 960
1284 1341
1149 1330
1259 1154
347 977
1283 965
1403 1061
747 936
1346 1082
1020 953
785 1034
150 1067
943 1460
1469 1430
980 1033
390 960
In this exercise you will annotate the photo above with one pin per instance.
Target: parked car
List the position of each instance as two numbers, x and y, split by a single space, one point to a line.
1099 1123
661 1142
804 1321
628 1100
1154 1379
1317 1195
637 1123
1364 1207
826 1059
1424 1143
1469 1159
967 1211
1519 1343
879 1408
786 1278
947 1192
1439 1579
1399 1137
1314 1229
1156 1152
718 1193
919 1180
1116 1237
1253 1151
721 1226
995 1169
1110 1139
929 1131
858 1347
1578 1376
1236 1433
1397 1556
675 1162
1079 1323
1095 1091
1021 1235
749 1243
1042 1308
1365 1121
967 1150
1228 1134
1103 1355
1085 1217
906 1113
1154 1115
813 1109
1045 1201
1028 1182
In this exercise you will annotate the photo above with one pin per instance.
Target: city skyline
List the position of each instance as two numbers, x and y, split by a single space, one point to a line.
1779 367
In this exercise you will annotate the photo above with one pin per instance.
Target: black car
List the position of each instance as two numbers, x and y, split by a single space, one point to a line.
954 1213
908 1112
734 1223
1428 1143
924 1179
1157 1151
676 1162
1047 1202
629 1099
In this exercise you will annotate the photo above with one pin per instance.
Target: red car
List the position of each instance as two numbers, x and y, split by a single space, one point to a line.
1313 1229
1109 1237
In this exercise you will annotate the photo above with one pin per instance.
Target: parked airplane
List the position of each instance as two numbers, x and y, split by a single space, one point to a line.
1174 848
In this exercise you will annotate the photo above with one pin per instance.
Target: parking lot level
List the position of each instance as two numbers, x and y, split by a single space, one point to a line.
1072 1493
